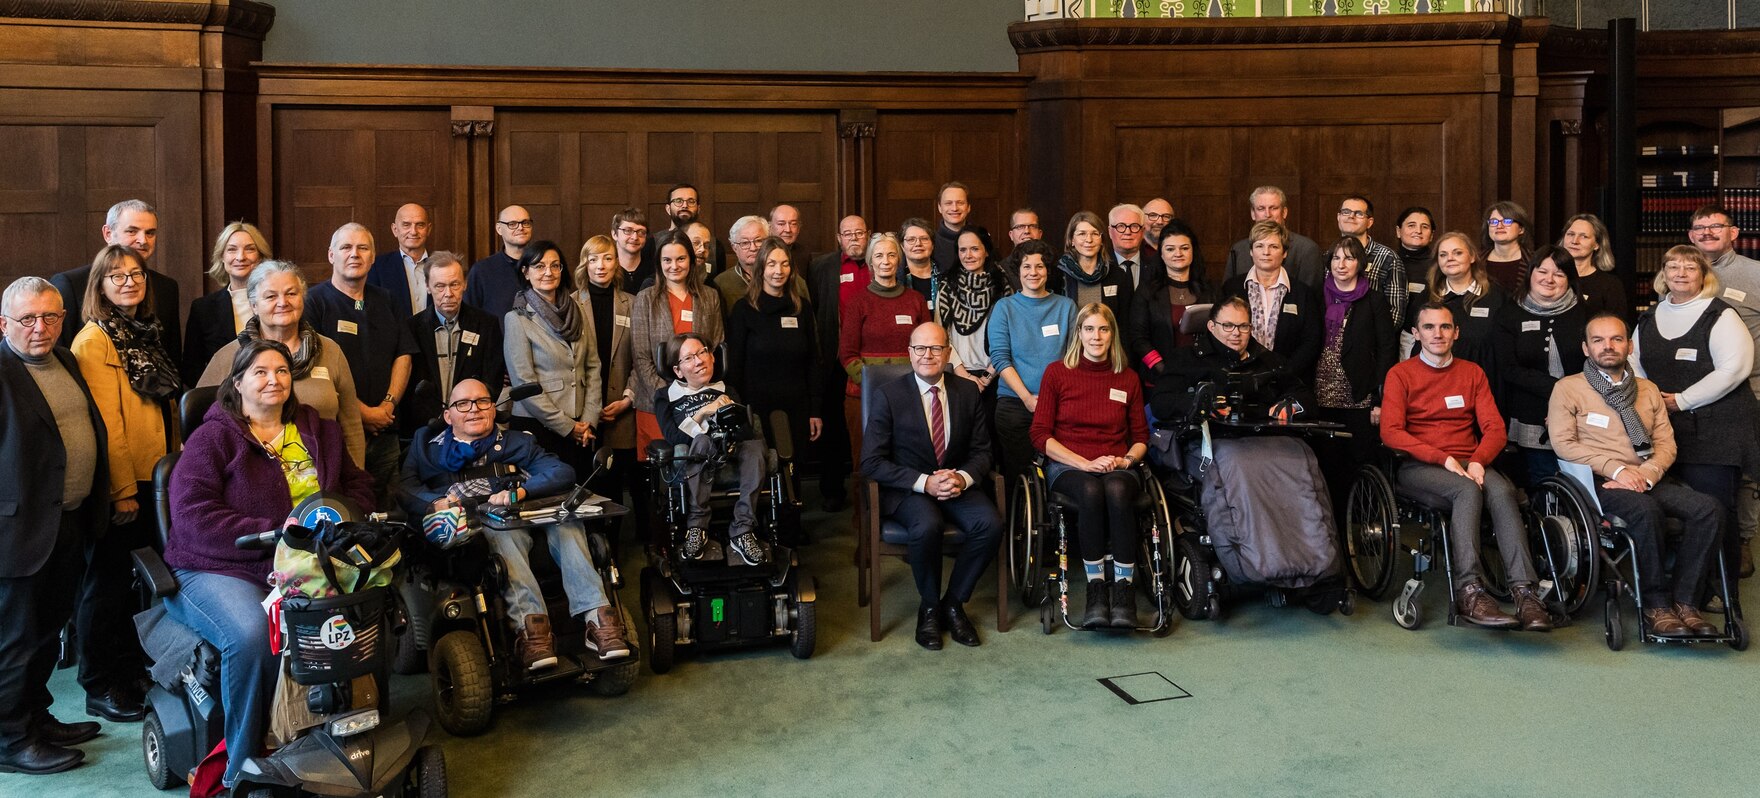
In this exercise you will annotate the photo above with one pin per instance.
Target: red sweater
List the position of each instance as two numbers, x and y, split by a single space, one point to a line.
876 329
1089 409
1433 414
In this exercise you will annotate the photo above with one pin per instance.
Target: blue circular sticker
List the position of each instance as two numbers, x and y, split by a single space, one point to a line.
319 513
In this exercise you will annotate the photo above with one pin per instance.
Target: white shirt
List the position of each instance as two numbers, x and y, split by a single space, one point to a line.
1732 350
929 421
418 285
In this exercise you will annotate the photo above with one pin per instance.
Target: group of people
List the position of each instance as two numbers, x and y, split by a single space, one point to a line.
382 383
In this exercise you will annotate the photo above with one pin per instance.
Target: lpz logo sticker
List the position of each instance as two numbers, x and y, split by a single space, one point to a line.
336 634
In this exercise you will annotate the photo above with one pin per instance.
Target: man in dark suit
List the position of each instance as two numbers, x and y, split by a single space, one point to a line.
927 443
133 224
457 343
53 502
953 204
399 271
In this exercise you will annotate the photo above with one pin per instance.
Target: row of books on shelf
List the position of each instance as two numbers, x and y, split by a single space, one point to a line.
1666 211
1678 150
1678 180
1744 204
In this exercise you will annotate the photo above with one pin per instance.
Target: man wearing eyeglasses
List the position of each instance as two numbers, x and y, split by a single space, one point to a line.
133 224
927 443
1304 261
400 271
831 273
1714 233
1124 228
1023 226
629 236
432 484
683 206
495 279
51 439
1385 270
1226 357
1156 214
953 204
746 235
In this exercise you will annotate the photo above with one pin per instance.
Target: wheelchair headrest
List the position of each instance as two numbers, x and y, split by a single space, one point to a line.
873 377
1196 317
194 406
661 365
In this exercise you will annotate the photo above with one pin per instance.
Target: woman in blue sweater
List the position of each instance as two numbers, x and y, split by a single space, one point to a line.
1027 333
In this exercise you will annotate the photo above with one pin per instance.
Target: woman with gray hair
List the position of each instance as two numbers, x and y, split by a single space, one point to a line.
321 376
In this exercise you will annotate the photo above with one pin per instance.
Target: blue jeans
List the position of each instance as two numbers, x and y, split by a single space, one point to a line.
228 613
568 546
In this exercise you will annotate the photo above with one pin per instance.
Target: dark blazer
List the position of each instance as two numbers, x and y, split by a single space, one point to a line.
1369 346
1151 327
1300 330
822 289
1209 360
475 361
210 327
36 462
896 448
167 305
388 273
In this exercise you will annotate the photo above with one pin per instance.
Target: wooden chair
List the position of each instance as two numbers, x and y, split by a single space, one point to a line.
878 537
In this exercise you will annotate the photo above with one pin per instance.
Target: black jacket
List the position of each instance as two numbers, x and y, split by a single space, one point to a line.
481 360
1209 360
36 465
1477 326
1151 334
1369 346
773 355
210 328
167 306
1301 327
1520 342
1114 281
896 444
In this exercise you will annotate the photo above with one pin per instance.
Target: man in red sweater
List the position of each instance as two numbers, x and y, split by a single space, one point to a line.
1439 412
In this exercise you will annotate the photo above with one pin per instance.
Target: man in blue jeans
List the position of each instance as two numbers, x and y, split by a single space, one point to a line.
432 483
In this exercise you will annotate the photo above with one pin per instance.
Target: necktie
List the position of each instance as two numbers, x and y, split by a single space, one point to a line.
937 424
1130 267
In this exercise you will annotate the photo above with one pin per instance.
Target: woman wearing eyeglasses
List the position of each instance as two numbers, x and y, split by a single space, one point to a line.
677 303
548 338
1086 267
1508 247
218 317
258 453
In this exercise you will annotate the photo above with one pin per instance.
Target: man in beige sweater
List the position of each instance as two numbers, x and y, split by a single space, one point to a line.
1614 422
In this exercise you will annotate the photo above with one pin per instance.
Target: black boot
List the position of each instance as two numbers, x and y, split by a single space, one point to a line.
1096 615
1124 605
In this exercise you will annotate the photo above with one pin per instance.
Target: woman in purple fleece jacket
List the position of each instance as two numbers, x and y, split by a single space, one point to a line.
256 455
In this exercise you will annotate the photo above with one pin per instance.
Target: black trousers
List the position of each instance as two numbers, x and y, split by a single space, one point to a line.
835 458
1720 483
109 650
33 609
974 513
1012 436
1702 524
1106 512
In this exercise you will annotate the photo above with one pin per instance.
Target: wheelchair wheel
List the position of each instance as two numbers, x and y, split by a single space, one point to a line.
1610 618
407 657
159 772
1738 629
1563 541
1192 583
1026 550
464 691
806 628
1047 617
1407 613
427 775
1157 551
1371 532
662 641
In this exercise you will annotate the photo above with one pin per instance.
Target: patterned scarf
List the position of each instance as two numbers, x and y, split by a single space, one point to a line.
1069 265
1623 399
963 304
310 345
563 318
137 341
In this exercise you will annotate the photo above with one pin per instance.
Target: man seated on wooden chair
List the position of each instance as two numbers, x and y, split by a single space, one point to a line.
1614 422
927 444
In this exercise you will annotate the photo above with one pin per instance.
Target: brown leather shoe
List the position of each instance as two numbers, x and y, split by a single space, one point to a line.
1530 610
1695 622
605 634
1477 606
1664 622
536 644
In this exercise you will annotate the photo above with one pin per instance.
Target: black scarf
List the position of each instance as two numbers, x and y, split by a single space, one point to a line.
966 298
1071 266
563 318
138 342
1623 399
310 345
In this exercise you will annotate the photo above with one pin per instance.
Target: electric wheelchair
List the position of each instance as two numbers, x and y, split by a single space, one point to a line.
1618 558
1040 528
717 600
1381 524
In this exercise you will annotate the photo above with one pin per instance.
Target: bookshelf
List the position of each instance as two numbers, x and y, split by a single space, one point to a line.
1687 161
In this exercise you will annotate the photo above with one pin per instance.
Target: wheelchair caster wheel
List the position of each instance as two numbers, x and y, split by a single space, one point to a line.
1047 618
1738 629
1405 606
1279 599
1615 631
1348 604
1162 624
1213 609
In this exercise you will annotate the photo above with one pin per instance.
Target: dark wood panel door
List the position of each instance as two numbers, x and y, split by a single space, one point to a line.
915 153
334 166
574 170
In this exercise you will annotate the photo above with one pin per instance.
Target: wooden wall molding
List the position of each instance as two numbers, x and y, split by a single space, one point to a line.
1034 37
239 16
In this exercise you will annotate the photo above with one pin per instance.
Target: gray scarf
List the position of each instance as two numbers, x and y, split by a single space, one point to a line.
1623 399
563 318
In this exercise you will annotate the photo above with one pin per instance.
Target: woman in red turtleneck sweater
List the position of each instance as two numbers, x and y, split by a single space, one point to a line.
1090 423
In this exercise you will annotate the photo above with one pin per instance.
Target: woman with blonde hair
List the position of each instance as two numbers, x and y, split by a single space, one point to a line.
1587 241
219 316
609 309
1090 424
1461 282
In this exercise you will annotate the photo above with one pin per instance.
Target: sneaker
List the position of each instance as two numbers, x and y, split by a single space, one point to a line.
605 635
535 644
694 539
1478 607
1694 622
1530 610
1099 609
1124 605
749 549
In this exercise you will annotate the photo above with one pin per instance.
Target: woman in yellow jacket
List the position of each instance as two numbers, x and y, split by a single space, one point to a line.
121 354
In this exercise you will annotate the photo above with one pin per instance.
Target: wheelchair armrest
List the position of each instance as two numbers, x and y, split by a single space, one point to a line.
153 573
781 437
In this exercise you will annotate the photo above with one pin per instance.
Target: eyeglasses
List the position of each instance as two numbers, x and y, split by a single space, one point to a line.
681 202
1158 217
1348 213
1231 327
745 243
856 235
693 357
467 405
1501 222
1127 228
1018 227
920 239
631 231
546 266
517 224
925 350
124 278
45 318
293 457
1708 228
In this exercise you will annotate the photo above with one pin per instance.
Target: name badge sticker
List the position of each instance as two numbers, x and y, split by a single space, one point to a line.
347 327
1415 288
1110 290
1735 295
1050 331
470 338
621 321
846 278
1686 354
901 319
1290 308
320 373
687 315
790 323
1597 420
1530 326
1480 313
1455 402
1117 396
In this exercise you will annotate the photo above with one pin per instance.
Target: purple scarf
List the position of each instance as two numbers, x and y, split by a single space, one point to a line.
1338 303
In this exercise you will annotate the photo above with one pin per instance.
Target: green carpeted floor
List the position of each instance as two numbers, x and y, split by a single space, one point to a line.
1283 702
